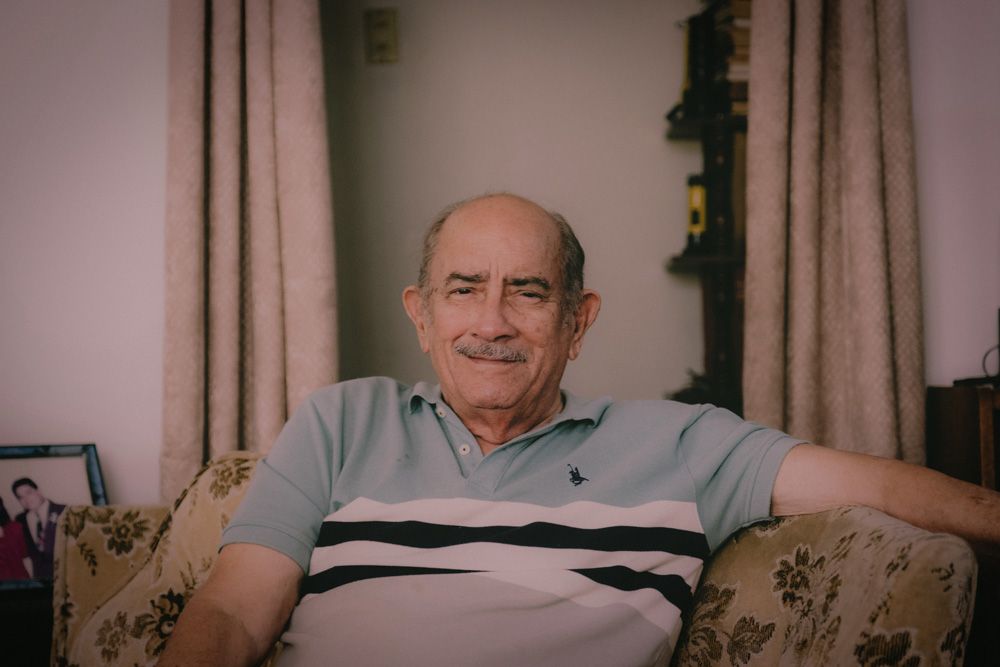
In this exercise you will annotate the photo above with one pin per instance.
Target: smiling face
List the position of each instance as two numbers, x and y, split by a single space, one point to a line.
492 316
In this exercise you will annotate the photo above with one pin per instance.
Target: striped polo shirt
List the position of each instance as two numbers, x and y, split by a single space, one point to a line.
578 543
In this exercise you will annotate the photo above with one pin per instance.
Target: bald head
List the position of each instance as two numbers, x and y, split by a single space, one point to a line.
570 253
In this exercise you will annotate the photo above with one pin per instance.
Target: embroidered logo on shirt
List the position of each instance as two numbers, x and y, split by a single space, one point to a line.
575 476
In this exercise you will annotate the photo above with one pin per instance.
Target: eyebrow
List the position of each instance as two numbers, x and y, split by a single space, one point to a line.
478 278
465 278
530 280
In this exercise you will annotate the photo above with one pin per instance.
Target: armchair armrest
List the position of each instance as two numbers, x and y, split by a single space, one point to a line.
123 574
97 551
848 586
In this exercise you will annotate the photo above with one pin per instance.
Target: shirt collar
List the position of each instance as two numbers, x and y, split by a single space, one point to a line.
574 407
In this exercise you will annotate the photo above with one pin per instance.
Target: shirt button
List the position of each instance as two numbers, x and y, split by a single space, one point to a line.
440 412
464 449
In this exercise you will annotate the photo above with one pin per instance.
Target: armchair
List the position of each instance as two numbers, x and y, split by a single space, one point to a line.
849 586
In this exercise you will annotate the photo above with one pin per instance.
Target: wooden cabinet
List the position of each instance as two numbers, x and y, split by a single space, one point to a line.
963 430
26 625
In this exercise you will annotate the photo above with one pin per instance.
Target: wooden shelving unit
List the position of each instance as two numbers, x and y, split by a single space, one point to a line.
713 111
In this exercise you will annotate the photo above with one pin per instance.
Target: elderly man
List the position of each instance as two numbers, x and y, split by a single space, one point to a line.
495 519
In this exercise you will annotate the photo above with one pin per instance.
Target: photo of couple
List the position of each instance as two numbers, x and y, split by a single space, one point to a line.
27 539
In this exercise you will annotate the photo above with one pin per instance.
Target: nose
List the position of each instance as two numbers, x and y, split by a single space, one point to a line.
492 321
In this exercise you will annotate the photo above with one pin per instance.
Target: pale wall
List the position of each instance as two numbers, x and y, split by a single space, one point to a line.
82 181
82 154
561 101
955 64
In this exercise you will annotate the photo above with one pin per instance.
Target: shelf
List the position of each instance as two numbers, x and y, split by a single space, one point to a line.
697 263
684 129
692 128
712 110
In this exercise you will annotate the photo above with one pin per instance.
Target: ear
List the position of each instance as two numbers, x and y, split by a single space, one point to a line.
413 304
586 313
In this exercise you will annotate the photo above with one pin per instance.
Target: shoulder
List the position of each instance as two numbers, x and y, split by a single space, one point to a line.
683 425
648 413
346 401
359 390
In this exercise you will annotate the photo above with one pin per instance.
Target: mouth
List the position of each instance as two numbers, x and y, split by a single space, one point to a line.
490 362
491 353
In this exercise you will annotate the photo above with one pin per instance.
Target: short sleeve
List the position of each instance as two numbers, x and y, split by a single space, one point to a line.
733 464
289 497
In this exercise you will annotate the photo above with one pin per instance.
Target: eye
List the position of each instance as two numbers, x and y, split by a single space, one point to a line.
531 296
460 291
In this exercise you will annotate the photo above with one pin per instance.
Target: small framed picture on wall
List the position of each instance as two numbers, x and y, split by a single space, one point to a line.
37 482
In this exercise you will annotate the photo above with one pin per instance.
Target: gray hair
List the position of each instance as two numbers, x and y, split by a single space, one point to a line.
571 255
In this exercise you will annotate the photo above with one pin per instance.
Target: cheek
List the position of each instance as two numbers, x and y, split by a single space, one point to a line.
550 335
441 325
447 332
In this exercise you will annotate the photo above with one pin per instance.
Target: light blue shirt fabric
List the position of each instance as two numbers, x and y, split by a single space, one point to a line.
404 507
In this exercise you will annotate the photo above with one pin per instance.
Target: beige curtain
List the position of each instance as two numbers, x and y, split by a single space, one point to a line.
833 348
250 302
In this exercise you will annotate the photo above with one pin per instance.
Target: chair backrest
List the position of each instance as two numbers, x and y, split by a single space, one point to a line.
132 623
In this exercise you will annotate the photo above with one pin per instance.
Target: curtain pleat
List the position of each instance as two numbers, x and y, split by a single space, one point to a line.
267 306
833 346
305 199
251 307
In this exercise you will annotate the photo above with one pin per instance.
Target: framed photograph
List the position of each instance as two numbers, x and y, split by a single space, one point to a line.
37 482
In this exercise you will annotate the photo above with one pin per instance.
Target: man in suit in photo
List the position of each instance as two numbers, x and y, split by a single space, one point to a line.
38 520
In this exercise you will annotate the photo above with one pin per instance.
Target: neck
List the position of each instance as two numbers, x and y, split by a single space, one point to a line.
494 427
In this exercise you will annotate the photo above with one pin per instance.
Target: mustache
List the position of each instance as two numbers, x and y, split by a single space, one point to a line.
491 351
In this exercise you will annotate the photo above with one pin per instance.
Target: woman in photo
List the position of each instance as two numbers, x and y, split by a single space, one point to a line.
14 560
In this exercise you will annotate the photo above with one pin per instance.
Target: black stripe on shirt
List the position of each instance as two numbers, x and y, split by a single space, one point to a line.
671 586
341 575
424 535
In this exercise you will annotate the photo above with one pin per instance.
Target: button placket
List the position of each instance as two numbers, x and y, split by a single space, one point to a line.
459 440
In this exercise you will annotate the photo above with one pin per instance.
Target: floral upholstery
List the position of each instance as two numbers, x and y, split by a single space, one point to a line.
122 574
850 586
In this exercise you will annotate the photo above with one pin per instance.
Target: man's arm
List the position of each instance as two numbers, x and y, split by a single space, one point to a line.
813 479
235 617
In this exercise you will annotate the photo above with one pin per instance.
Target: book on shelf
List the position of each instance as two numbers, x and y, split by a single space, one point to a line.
738 71
737 90
717 69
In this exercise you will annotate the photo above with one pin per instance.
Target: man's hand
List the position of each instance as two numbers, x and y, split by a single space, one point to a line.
813 479
235 617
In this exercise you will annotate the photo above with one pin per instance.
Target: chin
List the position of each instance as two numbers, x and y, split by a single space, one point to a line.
489 398
487 388
491 401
